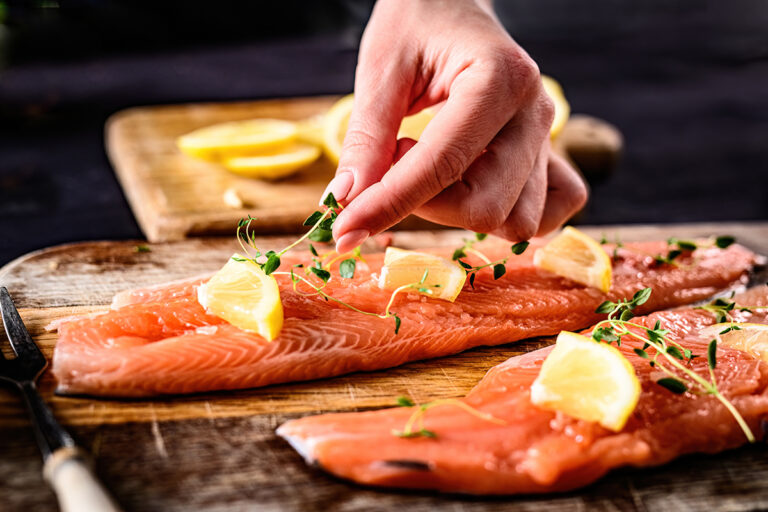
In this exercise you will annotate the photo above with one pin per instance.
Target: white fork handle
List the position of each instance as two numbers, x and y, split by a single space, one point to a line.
75 485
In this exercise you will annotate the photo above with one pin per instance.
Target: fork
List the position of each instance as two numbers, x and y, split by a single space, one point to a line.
65 466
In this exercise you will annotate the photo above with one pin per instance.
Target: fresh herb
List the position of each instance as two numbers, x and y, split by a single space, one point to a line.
668 356
418 416
347 268
677 247
142 248
617 244
499 266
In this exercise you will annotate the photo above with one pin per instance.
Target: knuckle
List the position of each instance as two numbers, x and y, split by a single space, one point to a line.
485 217
358 138
513 71
546 109
447 166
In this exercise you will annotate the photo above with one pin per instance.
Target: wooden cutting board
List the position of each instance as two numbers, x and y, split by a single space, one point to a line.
218 451
174 196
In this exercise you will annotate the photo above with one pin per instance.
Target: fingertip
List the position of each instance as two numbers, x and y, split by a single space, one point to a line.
351 239
339 186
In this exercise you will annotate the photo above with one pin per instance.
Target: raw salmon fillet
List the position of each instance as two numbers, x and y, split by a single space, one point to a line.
537 450
160 340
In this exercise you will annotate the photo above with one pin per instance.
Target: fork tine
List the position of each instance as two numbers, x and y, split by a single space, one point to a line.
21 342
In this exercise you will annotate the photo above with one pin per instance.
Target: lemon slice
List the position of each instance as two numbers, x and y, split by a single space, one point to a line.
310 130
578 257
335 127
226 140
445 279
562 109
275 164
750 338
243 295
587 380
413 126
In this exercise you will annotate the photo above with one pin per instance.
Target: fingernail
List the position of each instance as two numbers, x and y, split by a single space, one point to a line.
349 241
339 187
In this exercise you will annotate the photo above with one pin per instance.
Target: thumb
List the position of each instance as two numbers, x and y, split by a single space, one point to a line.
381 101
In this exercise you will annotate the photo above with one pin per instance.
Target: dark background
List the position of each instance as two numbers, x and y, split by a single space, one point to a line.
685 81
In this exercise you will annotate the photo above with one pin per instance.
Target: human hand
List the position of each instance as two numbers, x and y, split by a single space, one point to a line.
483 163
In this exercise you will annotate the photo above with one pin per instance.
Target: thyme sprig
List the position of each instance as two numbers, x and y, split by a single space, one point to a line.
321 225
722 309
617 244
417 418
668 356
677 247
499 266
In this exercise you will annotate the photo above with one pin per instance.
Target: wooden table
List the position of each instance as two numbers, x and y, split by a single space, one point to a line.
218 451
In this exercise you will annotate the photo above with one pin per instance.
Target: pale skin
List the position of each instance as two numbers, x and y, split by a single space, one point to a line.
484 162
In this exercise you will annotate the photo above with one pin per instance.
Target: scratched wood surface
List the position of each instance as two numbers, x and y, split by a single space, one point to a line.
174 196
218 451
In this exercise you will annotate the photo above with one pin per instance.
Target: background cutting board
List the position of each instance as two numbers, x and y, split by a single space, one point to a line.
173 196
218 451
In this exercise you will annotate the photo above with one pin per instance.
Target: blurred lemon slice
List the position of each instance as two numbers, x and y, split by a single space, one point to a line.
335 127
275 164
587 380
413 126
226 140
311 130
562 108
445 279
243 295
747 337
578 257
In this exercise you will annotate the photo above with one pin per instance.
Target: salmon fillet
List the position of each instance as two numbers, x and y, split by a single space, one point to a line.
160 340
537 450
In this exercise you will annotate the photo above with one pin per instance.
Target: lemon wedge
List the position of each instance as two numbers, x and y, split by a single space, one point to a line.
587 380
562 108
750 338
243 295
226 140
274 164
445 279
578 257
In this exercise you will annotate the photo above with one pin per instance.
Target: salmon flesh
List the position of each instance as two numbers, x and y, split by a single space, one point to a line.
539 451
160 340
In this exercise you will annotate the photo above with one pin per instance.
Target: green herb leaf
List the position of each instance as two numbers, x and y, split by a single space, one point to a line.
499 270
272 263
480 236
641 353
398 322
724 241
459 253
641 296
520 247
347 268
472 280
605 307
321 235
674 385
312 219
675 352
404 401
687 245
465 264
671 255
712 354
143 248
313 250
627 314
322 274
330 201
427 433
